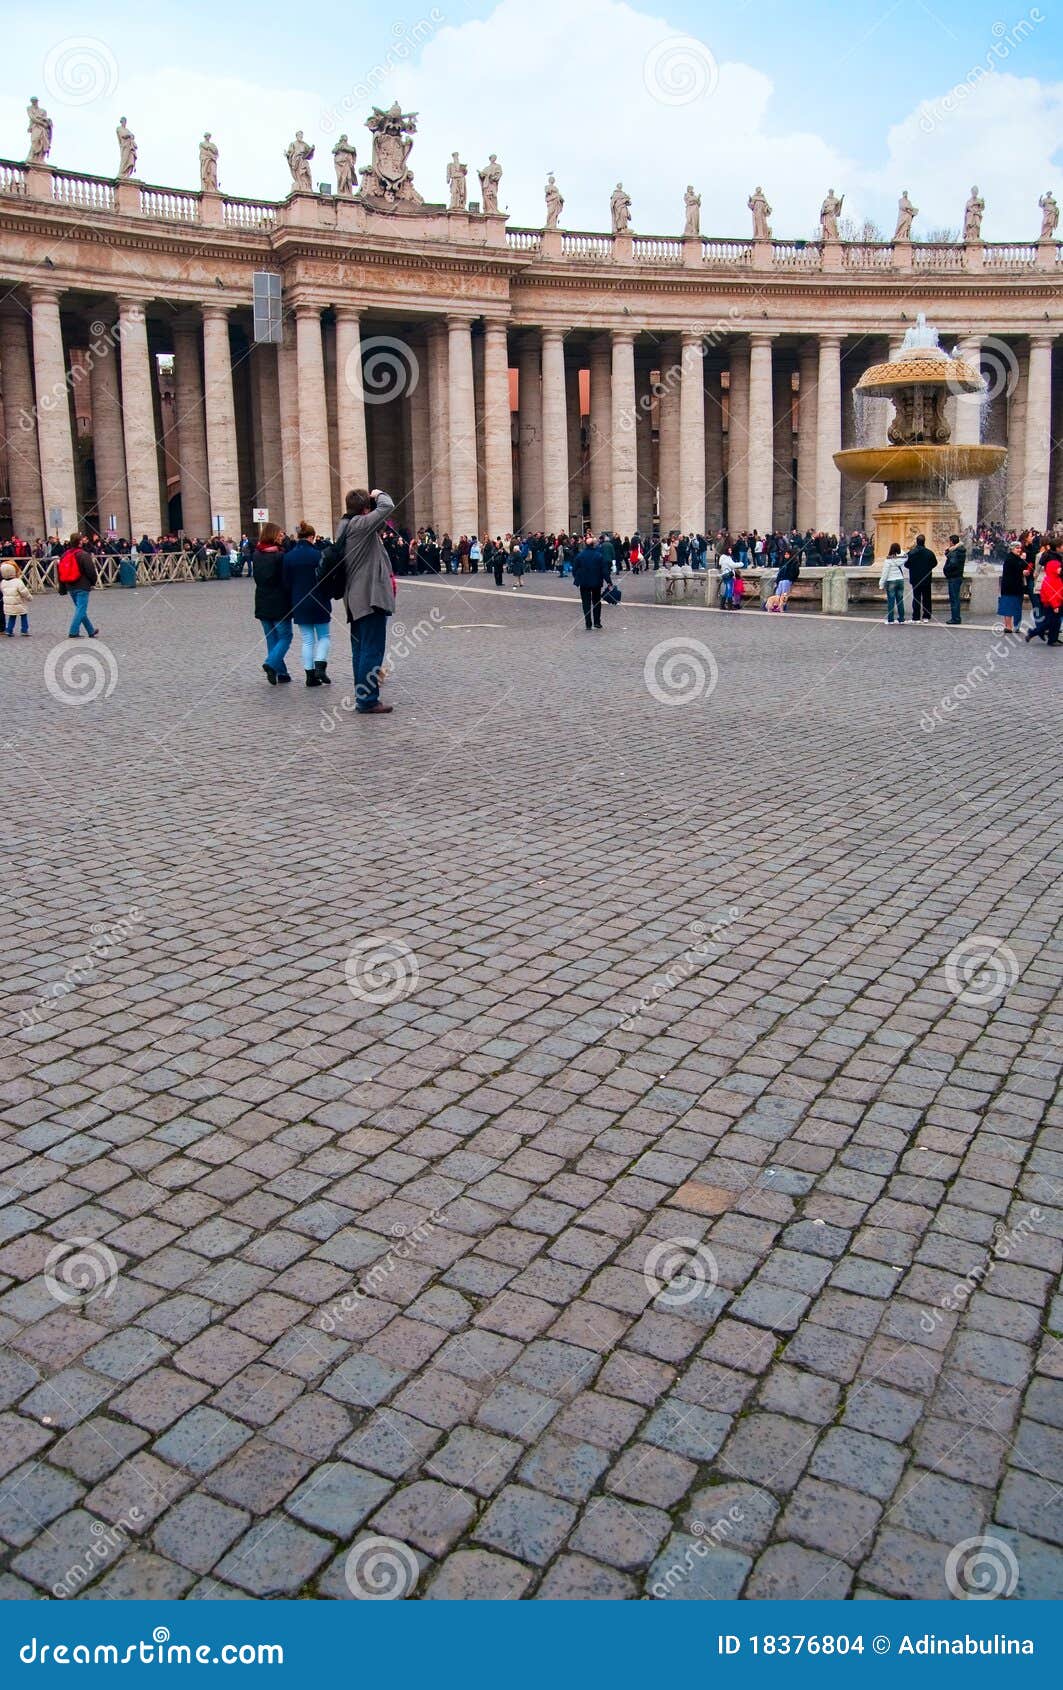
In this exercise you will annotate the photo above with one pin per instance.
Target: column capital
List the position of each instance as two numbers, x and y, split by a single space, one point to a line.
1041 341
829 337
457 320
212 313
128 305
303 308
348 313
41 294
623 336
496 325
552 333
692 337
762 337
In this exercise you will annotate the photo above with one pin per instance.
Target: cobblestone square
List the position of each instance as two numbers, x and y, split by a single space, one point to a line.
591 1134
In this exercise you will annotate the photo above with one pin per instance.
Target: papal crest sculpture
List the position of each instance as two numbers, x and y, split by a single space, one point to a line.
389 178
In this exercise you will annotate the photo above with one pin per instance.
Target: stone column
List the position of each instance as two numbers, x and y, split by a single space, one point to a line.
761 433
439 431
738 441
530 433
668 427
967 431
291 454
875 417
462 427
54 436
1016 443
220 408
498 429
807 383
1038 443
420 446
828 433
713 450
647 480
692 436
191 428
478 411
138 422
782 406
313 419
600 446
108 447
351 442
337 495
555 432
625 489
573 429
20 428
271 485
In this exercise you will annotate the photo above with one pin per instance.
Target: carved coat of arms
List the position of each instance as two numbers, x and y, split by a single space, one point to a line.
389 177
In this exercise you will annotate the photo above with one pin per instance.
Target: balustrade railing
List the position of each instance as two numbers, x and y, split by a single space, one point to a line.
248 214
868 255
796 255
169 203
12 178
657 249
524 240
92 193
716 251
937 255
583 244
1010 255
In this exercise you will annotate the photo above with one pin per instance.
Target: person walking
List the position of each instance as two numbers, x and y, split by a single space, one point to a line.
955 559
1048 621
1012 586
369 593
273 605
590 573
921 563
516 566
77 573
311 610
892 578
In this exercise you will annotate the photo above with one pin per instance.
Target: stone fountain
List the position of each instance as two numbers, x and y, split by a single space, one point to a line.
919 462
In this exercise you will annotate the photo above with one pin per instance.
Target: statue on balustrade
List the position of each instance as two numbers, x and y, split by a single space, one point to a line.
127 150
973 212
40 132
761 210
345 160
1049 216
208 165
457 180
829 213
555 205
490 177
299 155
389 178
620 210
692 204
906 214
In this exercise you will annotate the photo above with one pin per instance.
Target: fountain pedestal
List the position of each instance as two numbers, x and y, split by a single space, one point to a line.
901 517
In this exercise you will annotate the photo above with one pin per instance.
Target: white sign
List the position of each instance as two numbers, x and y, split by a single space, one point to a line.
112 524
219 525
55 517
260 514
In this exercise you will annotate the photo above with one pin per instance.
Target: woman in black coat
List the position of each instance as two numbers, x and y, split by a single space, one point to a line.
273 605
311 609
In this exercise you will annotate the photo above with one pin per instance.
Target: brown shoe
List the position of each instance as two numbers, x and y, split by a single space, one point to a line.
377 710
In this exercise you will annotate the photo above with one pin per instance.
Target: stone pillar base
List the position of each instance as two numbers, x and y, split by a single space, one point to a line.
974 257
550 246
623 249
211 209
1046 255
762 254
835 601
692 252
833 259
495 228
39 181
903 519
902 255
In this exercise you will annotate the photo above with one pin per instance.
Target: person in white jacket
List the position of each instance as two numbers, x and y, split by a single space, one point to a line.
892 578
17 599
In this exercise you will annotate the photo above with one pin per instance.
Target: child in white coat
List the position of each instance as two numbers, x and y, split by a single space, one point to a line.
17 599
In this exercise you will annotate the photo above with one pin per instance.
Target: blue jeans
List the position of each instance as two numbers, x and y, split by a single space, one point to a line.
80 596
13 619
315 643
894 600
954 599
369 638
278 639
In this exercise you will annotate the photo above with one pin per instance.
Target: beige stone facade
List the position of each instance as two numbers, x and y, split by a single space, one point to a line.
493 378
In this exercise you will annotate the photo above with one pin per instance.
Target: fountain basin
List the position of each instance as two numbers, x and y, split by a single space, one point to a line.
932 466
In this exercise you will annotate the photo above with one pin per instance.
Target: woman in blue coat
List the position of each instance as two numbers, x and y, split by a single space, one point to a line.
311 610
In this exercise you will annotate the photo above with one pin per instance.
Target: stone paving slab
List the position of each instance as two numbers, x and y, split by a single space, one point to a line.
593 1134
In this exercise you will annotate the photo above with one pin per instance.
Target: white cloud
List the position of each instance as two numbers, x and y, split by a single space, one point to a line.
595 90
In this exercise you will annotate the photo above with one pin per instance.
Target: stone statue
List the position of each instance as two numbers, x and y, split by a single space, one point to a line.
299 155
208 165
973 212
620 210
761 210
692 203
1049 215
906 213
127 150
555 205
389 178
828 215
40 132
345 159
457 177
490 177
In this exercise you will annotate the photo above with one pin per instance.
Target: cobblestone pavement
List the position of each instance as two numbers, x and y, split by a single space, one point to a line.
592 1133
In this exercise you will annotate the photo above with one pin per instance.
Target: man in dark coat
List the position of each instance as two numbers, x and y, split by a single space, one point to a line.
590 573
955 559
921 565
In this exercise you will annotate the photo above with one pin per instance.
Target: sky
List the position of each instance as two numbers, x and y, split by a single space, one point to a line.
868 97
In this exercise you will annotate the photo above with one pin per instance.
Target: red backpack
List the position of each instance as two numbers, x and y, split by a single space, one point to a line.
68 569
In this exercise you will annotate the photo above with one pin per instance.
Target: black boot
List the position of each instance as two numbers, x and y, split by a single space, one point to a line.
321 670
312 678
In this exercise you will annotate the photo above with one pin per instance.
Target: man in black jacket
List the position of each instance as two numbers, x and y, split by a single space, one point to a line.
955 558
590 573
921 565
